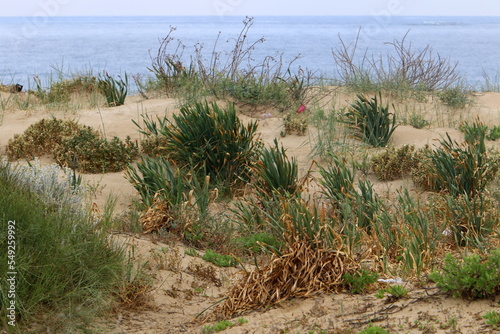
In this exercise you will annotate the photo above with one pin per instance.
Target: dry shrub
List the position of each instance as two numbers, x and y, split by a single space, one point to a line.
156 217
302 271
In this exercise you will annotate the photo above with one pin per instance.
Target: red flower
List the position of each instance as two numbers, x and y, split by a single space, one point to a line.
302 108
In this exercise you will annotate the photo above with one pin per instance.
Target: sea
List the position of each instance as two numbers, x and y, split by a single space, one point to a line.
56 47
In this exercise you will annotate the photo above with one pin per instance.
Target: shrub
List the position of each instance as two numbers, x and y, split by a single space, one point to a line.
455 97
403 69
89 153
115 91
373 123
472 278
41 138
213 141
60 91
394 163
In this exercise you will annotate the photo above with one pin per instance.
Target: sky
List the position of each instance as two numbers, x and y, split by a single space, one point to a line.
381 8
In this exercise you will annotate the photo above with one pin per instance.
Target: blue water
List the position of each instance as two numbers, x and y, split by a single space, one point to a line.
41 46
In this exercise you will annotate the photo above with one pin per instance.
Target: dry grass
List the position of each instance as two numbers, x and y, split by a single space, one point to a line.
302 271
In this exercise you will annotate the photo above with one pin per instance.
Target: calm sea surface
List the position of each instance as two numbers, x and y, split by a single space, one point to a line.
40 46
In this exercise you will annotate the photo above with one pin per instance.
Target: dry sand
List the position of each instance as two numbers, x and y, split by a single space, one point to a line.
179 295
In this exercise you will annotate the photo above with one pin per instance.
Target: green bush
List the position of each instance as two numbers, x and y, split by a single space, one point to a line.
455 97
373 123
41 138
66 270
472 277
213 141
89 153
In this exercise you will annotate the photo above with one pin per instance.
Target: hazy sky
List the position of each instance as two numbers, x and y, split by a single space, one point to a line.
249 7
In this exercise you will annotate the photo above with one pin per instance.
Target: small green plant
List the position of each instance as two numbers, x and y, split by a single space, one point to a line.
153 176
464 168
374 330
219 259
492 318
372 121
358 282
417 120
242 321
115 91
474 277
494 133
253 243
191 252
218 327
396 292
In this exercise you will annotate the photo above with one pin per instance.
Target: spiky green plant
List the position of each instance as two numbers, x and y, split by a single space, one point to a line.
276 172
372 121
213 141
153 176
463 168
115 91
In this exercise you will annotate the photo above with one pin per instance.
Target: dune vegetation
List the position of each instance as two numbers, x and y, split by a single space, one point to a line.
205 176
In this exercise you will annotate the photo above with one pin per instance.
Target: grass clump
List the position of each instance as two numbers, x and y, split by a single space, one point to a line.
115 91
372 121
473 277
67 271
61 91
276 172
395 292
374 330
